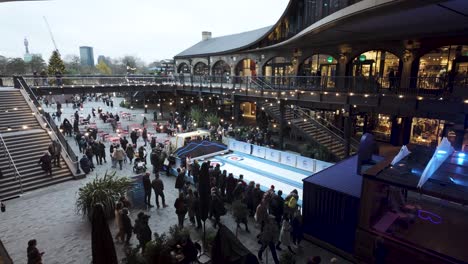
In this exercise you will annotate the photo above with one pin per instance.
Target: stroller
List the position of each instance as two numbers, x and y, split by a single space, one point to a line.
139 166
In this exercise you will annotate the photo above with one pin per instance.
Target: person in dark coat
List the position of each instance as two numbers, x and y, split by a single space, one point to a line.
127 225
238 191
154 159
134 137
85 164
230 186
158 187
180 180
181 209
277 206
222 183
196 209
297 230
34 256
195 172
46 163
130 152
89 154
144 135
217 208
249 197
257 198
147 188
153 143
123 142
95 149
142 230
102 152
142 154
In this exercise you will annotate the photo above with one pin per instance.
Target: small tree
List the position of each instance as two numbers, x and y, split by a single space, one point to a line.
103 68
212 120
197 115
55 63
37 64
15 66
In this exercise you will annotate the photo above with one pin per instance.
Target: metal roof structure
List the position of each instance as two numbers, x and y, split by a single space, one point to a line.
227 43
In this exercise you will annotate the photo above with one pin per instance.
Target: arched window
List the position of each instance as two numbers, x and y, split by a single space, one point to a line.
381 67
183 68
321 68
442 66
201 69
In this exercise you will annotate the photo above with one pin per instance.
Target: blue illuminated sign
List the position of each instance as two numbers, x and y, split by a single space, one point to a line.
429 216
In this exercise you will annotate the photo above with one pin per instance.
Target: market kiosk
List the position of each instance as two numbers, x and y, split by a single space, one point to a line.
411 224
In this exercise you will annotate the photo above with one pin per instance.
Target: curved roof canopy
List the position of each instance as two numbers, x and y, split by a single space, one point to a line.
225 43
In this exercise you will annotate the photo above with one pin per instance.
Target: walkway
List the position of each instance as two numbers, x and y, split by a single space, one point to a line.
49 215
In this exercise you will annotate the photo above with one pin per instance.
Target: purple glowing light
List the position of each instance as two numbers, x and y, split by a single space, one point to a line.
429 216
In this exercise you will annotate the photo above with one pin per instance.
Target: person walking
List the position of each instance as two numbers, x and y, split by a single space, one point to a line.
261 214
46 163
134 137
102 152
119 237
181 209
142 230
142 154
180 180
119 156
130 152
285 235
195 172
34 256
127 225
89 154
217 207
189 201
196 209
297 230
144 135
147 188
55 149
158 188
124 142
230 186
277 206
269 238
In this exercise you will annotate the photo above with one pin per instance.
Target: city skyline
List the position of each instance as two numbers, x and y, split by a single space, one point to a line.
140 34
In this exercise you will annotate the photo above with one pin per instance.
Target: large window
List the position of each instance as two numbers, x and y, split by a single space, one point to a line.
443 65
421 220
321 68
425 131
382 67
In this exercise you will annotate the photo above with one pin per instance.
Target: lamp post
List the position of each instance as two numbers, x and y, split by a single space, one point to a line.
146 108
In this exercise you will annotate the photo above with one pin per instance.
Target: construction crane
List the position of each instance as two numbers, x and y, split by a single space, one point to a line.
51 35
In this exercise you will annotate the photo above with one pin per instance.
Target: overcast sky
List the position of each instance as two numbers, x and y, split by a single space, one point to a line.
149 29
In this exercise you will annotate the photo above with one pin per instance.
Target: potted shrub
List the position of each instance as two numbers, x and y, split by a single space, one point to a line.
105 190
158 250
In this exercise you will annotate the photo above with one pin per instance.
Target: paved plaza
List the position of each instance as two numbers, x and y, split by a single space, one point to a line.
49 214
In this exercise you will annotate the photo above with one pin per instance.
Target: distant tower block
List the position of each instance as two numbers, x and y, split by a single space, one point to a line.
26 45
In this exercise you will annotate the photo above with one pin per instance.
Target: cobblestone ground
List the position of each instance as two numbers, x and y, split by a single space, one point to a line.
49 216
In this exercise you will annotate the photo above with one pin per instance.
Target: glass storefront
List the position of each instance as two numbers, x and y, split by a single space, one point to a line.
382 67
320 65
436 67
246 67
426 131
221 72
379 125
277 68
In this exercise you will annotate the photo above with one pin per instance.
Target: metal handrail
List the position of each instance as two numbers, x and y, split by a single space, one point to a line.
341 138
328 124
11 162
67 149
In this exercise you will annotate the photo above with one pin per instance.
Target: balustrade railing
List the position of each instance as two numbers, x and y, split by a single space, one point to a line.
334 131
11 162
420 86
46 118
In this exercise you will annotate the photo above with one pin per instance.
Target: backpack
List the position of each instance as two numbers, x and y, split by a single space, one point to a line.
292 203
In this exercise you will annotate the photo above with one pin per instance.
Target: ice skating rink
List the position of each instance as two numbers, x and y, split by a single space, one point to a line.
262 171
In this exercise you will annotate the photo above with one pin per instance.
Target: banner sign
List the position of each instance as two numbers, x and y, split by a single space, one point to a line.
304 163
288 159
273 155
245 147
259 151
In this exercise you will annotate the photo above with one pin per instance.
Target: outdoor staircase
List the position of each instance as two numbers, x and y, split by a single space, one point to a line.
26 145
15 112
313 130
